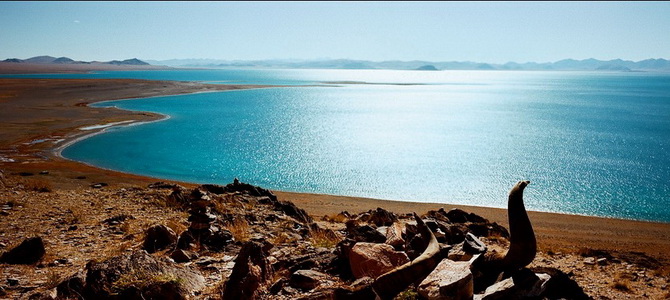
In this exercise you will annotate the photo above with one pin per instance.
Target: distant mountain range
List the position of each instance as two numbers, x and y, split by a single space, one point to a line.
562 65
49 60
590 64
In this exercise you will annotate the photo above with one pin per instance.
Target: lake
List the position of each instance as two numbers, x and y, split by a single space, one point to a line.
591 143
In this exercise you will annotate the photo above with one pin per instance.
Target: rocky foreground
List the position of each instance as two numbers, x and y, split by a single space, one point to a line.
239 241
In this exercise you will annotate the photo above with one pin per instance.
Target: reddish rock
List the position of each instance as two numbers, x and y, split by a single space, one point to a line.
372 260
394 236
450 280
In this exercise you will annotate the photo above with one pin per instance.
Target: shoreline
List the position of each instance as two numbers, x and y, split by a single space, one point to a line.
555 230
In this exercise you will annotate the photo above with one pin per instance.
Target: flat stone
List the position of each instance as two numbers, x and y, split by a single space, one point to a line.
449 280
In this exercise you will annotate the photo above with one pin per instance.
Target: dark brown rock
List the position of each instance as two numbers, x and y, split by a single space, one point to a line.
382 217
457 215
365 233
251 270
439 214
159 237
293 211
307 279
72 287
30 251
162 185
182 256
361 289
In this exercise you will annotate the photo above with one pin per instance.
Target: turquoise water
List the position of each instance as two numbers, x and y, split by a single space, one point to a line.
591 143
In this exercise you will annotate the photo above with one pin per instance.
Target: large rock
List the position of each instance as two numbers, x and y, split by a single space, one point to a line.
450 280
136 275
372 260
251 270
28 252
159 237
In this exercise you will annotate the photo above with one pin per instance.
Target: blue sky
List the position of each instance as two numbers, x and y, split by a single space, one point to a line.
495 32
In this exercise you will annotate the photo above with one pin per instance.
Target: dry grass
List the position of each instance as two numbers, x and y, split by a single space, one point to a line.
53 279
324 238
117 249
36 184
281 238
409 294
240 229
177 225
141 278
74 215
622 283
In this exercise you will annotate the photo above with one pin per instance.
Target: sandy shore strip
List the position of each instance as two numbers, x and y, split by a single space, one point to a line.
53 111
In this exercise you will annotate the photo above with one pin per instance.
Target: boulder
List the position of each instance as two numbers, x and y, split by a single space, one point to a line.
30 251
372 260
307 279
449 280
159 237
251 270
136 275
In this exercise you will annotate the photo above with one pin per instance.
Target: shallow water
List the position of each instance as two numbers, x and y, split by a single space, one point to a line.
591 143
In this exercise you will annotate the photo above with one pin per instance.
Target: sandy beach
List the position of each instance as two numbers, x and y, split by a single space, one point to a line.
37 116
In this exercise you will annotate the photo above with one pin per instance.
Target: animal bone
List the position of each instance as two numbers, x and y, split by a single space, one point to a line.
389 284
523 246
